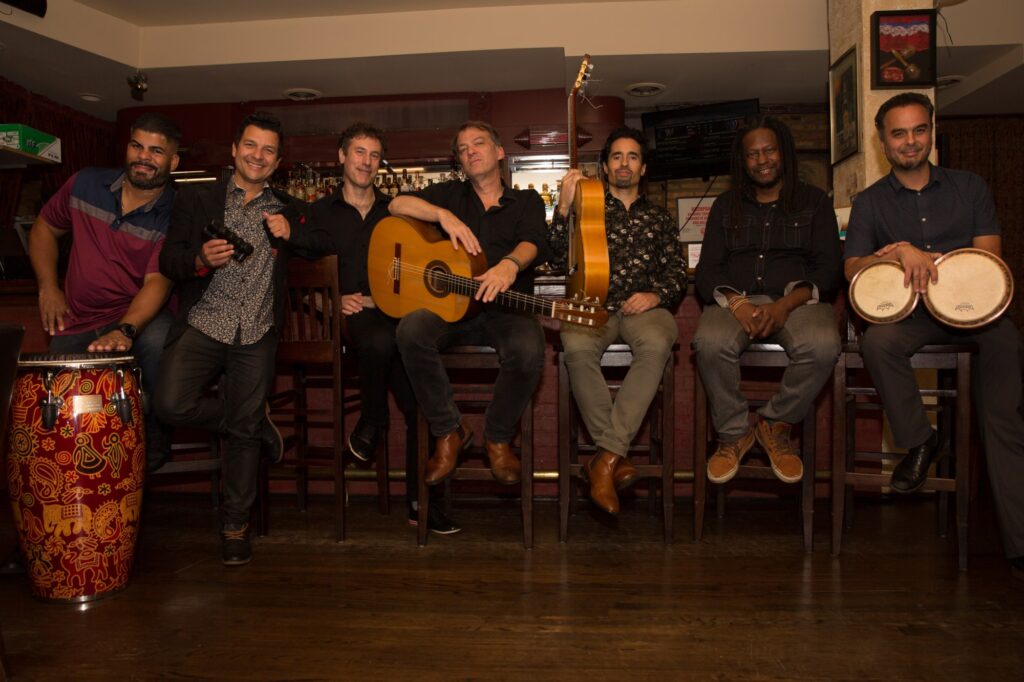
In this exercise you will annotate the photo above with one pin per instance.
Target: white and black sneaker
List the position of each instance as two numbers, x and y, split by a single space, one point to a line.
437 522
362 442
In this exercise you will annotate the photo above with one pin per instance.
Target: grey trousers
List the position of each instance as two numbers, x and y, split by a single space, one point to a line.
811 340
996 371
650 336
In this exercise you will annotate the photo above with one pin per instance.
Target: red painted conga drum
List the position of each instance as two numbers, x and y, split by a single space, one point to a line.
76 459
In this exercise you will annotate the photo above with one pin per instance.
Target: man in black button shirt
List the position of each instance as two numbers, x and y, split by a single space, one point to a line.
480 214
915 214
350 216
768 265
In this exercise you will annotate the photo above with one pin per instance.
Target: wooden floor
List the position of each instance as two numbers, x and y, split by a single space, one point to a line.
613 603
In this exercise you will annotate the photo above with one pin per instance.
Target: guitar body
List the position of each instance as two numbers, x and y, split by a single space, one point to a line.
589 266
408 263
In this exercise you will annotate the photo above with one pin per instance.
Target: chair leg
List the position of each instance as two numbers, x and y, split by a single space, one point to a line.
526 481
261 510
963 454
422 495
666 433
807 447
700 450
566 448
838 452
383 473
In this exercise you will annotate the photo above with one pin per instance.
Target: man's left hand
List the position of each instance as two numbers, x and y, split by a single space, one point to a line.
640 302
496 280
278 225
769 318
112 341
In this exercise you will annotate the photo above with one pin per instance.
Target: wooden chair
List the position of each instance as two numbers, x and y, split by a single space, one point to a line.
471 370
757 355
659 449
853 392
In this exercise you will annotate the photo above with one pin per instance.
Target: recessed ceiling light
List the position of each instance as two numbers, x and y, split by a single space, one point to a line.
946 82
646 89
302 94
90 97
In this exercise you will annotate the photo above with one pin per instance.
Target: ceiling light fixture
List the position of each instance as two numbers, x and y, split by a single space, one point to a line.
138 84
645 89
90 97
302 94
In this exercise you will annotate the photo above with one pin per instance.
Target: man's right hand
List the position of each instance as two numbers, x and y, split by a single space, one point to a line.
215 254
52 309
918 266
351 304
747 319
568 192
459 233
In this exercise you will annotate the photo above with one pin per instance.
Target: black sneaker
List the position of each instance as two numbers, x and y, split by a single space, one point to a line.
362 442
437 522
237 548
270 439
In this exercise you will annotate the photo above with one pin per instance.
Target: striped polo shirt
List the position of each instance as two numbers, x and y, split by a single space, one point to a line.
111 253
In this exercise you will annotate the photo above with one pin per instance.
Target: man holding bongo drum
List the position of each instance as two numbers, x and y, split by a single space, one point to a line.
913 215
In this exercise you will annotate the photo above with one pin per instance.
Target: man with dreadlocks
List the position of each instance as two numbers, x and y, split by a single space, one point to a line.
770 255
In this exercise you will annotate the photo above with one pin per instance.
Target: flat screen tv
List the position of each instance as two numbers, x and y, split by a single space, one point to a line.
694 142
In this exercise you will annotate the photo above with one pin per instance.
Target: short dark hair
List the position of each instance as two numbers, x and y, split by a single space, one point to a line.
153 122
790 170
264 120
362 130
904 99
480 125
625 132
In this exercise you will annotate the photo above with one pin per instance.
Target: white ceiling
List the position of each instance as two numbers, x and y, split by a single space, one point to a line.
699 61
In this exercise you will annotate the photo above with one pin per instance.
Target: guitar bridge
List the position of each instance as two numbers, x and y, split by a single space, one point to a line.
394 272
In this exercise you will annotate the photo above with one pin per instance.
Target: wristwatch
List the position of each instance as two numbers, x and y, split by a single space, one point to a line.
129 330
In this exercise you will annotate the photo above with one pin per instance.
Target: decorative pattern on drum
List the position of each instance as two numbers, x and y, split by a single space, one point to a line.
878 295
975 287
75 483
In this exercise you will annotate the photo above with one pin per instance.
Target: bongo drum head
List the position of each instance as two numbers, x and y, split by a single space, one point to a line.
877 293
974 288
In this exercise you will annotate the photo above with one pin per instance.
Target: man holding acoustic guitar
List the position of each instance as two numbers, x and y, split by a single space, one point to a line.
647 278
914 215
487 220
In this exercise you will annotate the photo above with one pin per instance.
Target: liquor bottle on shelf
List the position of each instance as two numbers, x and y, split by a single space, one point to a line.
545 195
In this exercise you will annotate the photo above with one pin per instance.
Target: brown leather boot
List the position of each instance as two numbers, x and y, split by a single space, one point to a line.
600 471
504 466
446 454
625 474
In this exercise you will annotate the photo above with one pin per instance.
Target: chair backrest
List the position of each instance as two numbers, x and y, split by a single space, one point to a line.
311 333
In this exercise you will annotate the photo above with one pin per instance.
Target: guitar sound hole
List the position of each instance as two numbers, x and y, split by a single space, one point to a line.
435 278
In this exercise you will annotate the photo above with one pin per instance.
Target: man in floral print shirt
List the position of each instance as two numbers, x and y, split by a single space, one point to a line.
647 280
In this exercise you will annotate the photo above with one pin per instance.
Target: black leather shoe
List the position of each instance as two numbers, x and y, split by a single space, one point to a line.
270 438
236 548
362 442
912 471
437 522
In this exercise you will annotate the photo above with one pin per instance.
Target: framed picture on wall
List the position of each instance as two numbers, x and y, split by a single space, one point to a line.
843 101
903 49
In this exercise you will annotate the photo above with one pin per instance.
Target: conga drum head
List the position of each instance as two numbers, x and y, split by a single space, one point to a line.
974 288
877 293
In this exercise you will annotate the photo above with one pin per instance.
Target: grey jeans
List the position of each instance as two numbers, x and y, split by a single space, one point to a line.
811 340
650 336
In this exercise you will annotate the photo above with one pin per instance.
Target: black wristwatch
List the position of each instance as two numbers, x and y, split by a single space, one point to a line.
129 330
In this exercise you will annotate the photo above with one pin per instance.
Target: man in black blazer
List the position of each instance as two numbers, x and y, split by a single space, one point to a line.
231 301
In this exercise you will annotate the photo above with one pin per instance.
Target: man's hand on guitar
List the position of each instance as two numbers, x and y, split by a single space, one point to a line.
568 191
496 280
459 233
351 304
640 302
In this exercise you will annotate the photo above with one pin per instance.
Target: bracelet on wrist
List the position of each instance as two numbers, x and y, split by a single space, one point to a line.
515 261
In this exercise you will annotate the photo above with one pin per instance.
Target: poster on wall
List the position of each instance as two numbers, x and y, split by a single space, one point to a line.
903 49
692 215
843 103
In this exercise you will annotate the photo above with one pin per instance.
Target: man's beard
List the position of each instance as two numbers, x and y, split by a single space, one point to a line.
159 178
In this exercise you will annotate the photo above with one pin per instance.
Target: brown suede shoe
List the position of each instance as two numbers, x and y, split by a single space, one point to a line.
600 471
446 454
774 438
625 474
504 466
724 464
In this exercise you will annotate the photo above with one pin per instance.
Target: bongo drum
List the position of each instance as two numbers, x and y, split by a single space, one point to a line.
76 458
974 288
877 293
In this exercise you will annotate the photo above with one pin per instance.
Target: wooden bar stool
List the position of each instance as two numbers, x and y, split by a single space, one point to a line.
471 370
953 407
757 355
659 450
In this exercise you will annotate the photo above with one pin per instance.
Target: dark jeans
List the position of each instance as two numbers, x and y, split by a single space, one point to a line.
372 336
516 337
996 385
190 365
147 350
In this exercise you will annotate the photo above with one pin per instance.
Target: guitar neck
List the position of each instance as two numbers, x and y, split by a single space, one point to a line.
513 300
571 139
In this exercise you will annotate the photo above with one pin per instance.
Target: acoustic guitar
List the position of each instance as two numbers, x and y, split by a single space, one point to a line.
587 266
413 266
